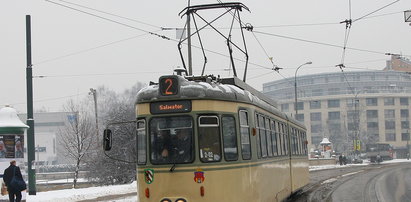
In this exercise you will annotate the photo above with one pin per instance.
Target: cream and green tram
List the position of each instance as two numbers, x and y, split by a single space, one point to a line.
204 139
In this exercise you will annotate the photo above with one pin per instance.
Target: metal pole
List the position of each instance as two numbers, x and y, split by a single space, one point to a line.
190 62
94 92
30 119
295 87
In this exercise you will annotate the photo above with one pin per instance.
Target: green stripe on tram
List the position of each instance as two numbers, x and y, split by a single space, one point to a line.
204 167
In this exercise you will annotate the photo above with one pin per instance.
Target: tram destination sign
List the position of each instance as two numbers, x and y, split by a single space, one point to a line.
168 85
179 106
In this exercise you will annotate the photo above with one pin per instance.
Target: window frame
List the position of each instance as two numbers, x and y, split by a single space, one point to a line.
199 116
235 137
145 141
243 154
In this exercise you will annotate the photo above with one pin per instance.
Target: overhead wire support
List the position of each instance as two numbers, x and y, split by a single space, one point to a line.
192 11
250 28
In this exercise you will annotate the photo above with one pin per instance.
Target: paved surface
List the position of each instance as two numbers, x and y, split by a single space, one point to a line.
374 182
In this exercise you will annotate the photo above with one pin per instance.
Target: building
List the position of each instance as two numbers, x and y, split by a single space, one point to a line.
370 106
47 127
398 63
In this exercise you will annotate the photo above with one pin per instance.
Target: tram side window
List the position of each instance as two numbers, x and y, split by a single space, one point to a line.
268 134
295 142
209 139
258 138
291 134
285 138
298 142
171 140
280 140
301 142
274 138
245 135
229 138
261 134
304 143
141 142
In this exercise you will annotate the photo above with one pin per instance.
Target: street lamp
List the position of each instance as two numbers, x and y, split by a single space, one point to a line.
295 86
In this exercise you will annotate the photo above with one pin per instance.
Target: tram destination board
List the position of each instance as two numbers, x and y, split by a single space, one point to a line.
179 106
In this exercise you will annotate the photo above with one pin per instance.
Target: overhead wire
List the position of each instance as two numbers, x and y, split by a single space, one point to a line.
88 49
348 25
149 32
214 52
376 11
108 19
50 99
316 42
97 74
112 14
250 28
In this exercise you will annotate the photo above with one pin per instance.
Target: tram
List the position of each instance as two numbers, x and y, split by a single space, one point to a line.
211 139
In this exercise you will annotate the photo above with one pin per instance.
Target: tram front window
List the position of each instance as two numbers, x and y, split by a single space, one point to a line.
171 140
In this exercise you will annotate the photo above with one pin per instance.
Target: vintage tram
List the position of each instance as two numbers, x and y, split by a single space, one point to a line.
210 139
205 138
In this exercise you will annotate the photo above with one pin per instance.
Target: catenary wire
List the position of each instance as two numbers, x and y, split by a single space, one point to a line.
316 42
88 49
112 14
108 19
376 10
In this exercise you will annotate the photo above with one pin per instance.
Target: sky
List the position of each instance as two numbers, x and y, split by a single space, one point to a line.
78 45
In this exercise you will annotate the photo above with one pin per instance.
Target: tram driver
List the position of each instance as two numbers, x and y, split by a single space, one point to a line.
178 147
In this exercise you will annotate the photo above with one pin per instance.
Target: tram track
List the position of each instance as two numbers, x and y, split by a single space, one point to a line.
323 184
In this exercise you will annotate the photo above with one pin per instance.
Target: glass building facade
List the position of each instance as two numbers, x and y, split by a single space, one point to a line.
372 106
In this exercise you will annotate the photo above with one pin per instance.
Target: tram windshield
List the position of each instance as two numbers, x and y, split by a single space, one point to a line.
171 140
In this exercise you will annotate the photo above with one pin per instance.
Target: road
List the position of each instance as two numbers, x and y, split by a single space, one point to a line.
383 182
391 183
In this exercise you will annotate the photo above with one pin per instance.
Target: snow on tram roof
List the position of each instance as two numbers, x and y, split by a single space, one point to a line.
210 89
197 89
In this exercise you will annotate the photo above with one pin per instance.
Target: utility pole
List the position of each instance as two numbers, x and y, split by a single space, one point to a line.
190 62
94 93
30 119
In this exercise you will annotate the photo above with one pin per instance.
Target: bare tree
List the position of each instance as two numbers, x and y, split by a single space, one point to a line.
77 137
118 107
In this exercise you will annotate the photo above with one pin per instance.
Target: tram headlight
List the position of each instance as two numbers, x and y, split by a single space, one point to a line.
181 200
166 200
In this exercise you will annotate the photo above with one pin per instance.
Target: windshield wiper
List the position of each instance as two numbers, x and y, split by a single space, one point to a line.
173 167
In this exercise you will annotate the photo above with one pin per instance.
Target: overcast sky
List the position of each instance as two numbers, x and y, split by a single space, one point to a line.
76 51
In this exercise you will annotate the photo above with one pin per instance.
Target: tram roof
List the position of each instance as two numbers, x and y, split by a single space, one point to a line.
226 89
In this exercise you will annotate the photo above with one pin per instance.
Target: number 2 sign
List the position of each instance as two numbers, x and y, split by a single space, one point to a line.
168 85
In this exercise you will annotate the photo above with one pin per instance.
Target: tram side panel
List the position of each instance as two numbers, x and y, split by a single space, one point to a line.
299 160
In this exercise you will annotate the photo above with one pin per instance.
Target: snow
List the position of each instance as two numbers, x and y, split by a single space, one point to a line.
366 162
69 195
9 118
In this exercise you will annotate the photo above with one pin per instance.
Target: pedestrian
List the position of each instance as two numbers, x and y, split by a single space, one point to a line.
344 159
340 160
9 173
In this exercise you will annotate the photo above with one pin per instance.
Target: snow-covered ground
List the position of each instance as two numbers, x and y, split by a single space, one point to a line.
69 195
366 162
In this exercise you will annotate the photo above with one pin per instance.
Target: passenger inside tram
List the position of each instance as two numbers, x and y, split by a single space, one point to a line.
177 145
